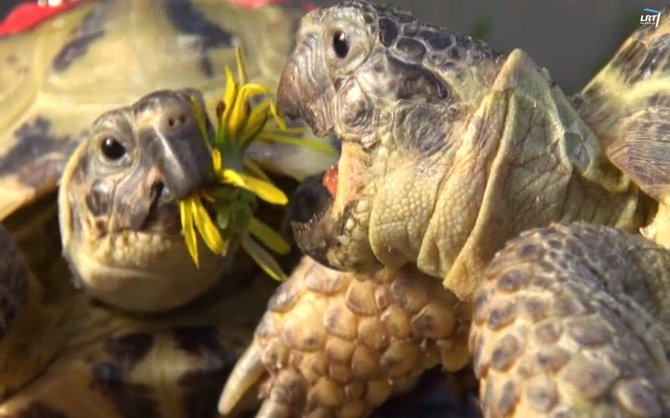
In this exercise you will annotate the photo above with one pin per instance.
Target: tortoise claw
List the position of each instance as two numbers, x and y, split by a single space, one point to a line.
247 372
271 409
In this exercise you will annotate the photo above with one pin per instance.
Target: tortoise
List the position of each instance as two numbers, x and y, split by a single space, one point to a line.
477 216
150 335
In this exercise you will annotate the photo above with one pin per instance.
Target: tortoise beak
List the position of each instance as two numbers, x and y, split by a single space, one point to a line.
173 144
305 92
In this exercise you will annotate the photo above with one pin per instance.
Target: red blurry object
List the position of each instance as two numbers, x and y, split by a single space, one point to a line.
256 3
259 3
330 179
27 15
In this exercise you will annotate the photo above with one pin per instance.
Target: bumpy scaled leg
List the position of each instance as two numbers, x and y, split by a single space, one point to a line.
337 346
574 321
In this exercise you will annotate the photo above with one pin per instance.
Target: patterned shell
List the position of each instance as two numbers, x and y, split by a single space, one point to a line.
628 106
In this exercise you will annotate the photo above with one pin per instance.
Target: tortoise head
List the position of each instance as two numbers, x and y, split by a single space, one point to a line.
398 94
118 197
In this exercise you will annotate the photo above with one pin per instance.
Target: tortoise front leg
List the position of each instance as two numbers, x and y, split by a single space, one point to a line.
575 321
337 346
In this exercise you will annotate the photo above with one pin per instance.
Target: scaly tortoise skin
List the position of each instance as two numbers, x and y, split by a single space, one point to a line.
153 347
471 166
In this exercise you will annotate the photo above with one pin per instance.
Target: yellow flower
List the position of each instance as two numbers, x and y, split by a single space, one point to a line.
194 213
240 180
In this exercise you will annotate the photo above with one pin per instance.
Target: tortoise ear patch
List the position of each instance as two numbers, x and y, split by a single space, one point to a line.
395 79
99 198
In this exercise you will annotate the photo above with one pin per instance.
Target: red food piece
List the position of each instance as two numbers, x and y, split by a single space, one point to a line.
28 15
330 179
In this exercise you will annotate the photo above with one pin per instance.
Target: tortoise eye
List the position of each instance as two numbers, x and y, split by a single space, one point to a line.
112 149
341 44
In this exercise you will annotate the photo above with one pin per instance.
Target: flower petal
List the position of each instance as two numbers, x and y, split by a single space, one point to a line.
258 117
229 97
254 169
216 160
208 231
277 118
312 144
262 258
263 189
241 109
241 66
199 114
188 230
268 237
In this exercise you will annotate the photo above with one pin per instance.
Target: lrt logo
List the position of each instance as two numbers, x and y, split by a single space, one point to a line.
650 17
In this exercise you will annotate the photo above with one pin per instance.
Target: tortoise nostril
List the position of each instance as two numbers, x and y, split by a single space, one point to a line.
175 121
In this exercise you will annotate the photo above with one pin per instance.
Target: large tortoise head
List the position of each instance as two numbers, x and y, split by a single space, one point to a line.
393 90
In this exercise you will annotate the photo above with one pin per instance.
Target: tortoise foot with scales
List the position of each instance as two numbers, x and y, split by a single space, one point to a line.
478 217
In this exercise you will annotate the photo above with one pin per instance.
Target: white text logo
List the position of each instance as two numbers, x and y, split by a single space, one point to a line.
650 17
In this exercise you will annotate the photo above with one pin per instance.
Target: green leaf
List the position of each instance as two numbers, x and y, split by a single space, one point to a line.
268 237
262 258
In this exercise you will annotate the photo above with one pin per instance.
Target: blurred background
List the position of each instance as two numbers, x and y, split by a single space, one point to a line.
572 38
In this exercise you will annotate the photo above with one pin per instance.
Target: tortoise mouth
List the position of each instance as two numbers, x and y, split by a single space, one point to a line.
327 212
331 223
162 219
162 215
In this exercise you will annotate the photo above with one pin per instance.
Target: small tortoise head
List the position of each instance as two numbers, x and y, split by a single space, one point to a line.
118 214
399 94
